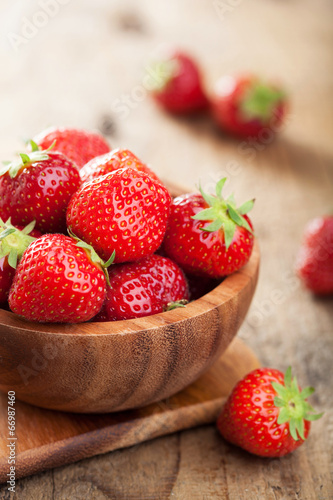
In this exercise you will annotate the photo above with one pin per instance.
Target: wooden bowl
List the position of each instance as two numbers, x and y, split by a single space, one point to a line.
107 367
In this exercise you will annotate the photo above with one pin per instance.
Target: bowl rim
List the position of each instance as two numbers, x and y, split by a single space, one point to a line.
231 286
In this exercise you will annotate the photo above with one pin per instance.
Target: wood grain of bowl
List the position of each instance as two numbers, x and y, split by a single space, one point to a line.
108 367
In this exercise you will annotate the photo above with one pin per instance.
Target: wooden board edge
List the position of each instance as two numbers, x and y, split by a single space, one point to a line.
112 438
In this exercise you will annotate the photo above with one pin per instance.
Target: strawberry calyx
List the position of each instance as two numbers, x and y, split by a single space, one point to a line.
14 242
260 101
36 155
161 73
93 255
223 213
294 408
175 305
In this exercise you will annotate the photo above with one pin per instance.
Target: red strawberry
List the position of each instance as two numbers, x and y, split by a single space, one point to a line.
118 158
149 286
246 106
315 259
216 249
38 187
13 242
80 146
58 280
177 84
267 414
101 316
125 211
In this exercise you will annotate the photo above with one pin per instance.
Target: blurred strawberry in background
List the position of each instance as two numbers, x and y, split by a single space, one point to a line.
314 263
177 83
80 146
246 105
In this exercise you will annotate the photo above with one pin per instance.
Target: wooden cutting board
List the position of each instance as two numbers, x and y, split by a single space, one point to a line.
48 439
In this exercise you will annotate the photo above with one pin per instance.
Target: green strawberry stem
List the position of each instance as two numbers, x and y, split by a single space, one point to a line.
92 254
294 408
14 242
259 101
223 213
175 305
162 73
36 155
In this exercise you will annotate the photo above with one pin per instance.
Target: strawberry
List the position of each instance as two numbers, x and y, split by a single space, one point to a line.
58 280
118 158
314 263
207 235
150 286
101 316
80 146
267 414
247 106
125 211
38 187
13 242
177 84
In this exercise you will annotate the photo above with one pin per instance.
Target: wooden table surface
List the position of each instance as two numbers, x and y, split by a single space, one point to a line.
83 66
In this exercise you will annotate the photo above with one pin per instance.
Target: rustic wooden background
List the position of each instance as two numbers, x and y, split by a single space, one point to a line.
83 66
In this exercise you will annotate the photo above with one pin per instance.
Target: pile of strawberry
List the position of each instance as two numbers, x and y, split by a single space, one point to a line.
98 236
87 233
243 105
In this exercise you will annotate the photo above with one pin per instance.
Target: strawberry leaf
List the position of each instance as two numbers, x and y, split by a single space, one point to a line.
222 213
278 402
283 416
307 392
52 145
110 260
246 207
29 227
313 417
287 376
219 187
25 158
238 219
231 200
94 257
292 404
14 167
214 226
260 101
299 424
206 214
292 429
34 146
210 199
6 232
12 258
229 231
14 242
93 254
280 389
